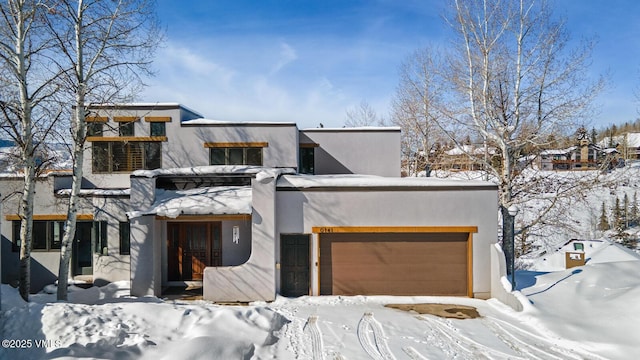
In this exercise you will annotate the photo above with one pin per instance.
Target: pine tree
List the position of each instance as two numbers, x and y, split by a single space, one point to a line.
603 225
633 211
625 211
619 220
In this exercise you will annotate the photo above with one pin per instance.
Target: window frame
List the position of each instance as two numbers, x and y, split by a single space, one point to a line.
127 128
303 168
157 125
50 227
231 149
105 163
95 128
124 229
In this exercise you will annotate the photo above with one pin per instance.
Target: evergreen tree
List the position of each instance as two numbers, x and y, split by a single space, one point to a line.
603 225
633 211
625 211
619 221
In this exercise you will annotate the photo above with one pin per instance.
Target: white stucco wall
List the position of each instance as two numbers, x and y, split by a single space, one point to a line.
373 151
186 144
255 279
299 211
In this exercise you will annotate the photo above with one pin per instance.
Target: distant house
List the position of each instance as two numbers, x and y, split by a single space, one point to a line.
584 157
465 157
628 145
249 210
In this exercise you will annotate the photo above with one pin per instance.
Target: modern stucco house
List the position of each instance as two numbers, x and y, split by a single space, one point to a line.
254 209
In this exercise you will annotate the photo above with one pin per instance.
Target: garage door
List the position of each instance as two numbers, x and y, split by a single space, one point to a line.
394 264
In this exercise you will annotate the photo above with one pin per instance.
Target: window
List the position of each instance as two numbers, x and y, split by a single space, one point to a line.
125 238
95 129
307 161
99 237
158 129
47 235
126 128
120 156
235 156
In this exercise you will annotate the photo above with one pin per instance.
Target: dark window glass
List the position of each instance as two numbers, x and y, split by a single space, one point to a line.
158 129
99 237
57 232
254 156
125 238
100 157
217 156
236 156
152 154
39 241
95 128
307 161
16 236
126 128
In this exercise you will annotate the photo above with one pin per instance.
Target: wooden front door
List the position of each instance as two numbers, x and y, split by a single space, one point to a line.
294 265
192 246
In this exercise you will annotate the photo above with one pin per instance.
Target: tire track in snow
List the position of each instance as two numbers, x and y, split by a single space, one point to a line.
470 348
311 328
553 350
377 347
413 353
364 338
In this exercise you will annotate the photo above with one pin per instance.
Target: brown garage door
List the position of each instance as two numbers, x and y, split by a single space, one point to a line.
394 264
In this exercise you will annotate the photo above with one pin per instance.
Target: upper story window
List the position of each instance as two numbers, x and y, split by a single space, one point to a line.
120 156
236 153
126 129
126 125
157 125
158 129
306 161
95 129
235 156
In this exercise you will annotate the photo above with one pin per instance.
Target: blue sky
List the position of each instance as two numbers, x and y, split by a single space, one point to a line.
308 61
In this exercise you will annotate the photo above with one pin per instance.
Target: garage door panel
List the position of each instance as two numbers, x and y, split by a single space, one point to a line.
394 264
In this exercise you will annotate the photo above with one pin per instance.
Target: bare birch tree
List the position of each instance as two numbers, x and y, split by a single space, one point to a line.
520 80
27 112
106 49
362 115
416 109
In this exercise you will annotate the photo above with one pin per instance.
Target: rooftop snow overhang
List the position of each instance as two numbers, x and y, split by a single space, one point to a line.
219 200
254 171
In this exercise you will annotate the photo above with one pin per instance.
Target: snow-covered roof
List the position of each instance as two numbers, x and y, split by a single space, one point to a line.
215 170
358 128
97 192
364 181
219 200
558 151
632 140
470 149
203 121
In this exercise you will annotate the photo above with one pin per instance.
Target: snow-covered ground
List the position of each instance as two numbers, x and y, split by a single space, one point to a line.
590 312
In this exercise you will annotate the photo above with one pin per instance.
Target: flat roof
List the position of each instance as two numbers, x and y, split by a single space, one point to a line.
370 182
212 122
355 129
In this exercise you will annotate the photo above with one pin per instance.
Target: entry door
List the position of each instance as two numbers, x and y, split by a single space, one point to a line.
82 255
294 265
191 248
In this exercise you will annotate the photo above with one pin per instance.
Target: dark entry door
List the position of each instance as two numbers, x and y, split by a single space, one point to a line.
191 248
294 265
82 255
